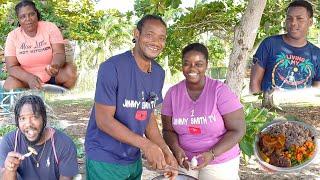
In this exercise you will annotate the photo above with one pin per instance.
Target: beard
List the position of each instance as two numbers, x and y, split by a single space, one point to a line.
32 143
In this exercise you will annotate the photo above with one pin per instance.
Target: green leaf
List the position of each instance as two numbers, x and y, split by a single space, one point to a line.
6 128
255 119
246 147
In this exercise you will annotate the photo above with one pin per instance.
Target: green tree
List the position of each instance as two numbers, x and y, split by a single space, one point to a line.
243 41
217 52
159 7
77 19
186 26
216 17
272 20
7 20
116 30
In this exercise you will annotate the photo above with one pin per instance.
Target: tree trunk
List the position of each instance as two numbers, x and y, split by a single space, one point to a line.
244 37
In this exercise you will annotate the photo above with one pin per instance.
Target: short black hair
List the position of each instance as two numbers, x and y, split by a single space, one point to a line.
25 3
147 18
37 104
302 3
196 47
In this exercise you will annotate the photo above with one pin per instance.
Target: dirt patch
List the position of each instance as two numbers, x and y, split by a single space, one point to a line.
309 115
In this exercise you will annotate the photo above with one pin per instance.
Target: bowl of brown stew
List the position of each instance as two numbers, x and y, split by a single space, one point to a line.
286 146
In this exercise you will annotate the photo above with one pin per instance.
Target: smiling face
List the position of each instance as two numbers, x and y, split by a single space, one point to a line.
151 40
30 124
28 19
194 66
297 23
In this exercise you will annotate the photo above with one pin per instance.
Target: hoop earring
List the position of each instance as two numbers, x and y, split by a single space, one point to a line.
134 40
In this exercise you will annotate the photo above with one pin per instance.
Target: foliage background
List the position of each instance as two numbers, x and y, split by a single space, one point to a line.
99 33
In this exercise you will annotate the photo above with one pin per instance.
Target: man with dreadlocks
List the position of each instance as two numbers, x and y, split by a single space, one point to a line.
55 156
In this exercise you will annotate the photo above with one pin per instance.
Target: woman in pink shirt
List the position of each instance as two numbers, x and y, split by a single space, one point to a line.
35 54
202 118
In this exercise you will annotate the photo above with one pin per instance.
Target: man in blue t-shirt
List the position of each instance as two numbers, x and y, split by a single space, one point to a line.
287 61
128 89
56 154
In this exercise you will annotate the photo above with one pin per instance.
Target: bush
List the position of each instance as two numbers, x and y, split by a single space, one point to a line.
6 128
3 72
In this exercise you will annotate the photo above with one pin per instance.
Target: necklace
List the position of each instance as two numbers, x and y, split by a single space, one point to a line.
38 161
145 92
150 64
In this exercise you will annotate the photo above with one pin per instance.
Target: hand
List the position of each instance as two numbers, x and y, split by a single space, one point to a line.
205 158
154 156
52 69
181 157
35 82
12 161
172 173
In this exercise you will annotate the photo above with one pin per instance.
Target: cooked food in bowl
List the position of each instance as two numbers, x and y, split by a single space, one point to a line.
286 144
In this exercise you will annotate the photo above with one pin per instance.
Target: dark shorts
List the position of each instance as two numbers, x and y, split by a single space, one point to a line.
52 80
106 171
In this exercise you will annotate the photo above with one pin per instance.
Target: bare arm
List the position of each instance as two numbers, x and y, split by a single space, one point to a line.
171 138
8 175
257 73
235 125
11 164
59 56
108 124
15 70
58 59
153 133
236 129
169 135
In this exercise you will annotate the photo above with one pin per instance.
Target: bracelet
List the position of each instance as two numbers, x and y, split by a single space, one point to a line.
213 154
